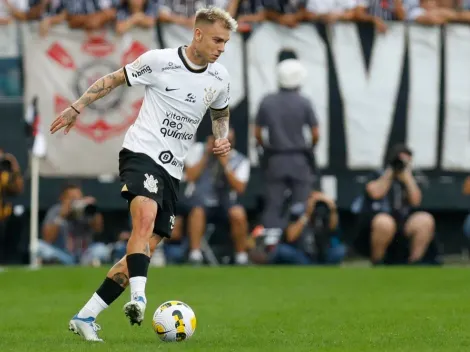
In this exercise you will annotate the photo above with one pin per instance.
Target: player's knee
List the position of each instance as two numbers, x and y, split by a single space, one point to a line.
384 225
143 221
237 215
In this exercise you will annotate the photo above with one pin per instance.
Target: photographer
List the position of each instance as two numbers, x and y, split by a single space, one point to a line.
390 230
69 228
11 184
310 236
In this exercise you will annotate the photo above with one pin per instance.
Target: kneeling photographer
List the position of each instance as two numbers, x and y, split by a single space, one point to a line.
310 237
69 230
11 185
391 230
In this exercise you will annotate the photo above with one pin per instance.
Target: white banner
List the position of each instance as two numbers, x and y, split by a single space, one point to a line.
9 43
59 69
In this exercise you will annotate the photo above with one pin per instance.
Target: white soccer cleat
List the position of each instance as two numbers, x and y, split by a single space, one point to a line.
85 327
135 310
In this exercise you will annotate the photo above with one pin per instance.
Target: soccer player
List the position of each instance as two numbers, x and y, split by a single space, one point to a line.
180 85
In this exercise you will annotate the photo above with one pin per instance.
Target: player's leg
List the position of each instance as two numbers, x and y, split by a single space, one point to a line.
143 214
112 287
196 230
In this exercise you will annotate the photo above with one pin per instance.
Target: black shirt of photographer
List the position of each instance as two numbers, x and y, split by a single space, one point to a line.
394 203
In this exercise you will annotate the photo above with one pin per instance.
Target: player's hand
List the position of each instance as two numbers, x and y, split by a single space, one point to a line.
221 147
66 119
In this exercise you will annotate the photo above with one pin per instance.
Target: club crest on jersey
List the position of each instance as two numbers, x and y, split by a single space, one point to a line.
150 184
209 95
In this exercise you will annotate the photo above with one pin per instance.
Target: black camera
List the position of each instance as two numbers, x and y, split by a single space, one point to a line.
5 164
395 161
82 210
397 164
320 221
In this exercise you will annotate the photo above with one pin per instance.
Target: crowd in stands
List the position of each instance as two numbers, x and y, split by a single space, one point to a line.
126 14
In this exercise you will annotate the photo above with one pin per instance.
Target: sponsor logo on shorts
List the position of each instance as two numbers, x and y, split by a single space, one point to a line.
151 184
143 71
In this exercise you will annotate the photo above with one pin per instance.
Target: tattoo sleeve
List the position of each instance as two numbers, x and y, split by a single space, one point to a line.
101 88
220 122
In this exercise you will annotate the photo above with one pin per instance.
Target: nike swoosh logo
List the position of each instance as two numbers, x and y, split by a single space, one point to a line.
169 90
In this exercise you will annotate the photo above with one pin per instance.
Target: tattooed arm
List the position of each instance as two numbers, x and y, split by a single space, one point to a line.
98 90
101 88
220 127
220 119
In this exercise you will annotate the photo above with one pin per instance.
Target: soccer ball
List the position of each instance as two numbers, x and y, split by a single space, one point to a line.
174 321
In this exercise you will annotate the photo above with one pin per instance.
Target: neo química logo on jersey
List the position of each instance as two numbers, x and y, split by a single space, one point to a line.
172 129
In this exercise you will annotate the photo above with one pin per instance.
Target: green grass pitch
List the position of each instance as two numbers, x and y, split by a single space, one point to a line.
250 309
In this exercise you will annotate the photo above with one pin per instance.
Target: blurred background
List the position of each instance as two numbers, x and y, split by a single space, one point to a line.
350 124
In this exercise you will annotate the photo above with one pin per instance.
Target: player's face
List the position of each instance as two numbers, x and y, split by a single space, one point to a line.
213 38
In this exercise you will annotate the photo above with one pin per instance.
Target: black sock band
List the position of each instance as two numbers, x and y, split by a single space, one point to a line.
137 264
109 290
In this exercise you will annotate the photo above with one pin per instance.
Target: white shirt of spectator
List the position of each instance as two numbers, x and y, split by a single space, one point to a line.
187 6
242 171
330 6
176 99
21 5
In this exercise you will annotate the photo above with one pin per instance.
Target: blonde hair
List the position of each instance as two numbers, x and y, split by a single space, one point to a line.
214 14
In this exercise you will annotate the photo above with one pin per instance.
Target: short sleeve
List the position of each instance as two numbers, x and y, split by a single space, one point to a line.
195 154
262 115
143 70
296 212
223 98
52 214
311 117
242 172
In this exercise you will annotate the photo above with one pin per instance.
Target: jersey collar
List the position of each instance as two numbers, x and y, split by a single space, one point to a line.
186 64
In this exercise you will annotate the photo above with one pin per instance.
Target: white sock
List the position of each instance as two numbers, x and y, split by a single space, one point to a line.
137 284
93 307
195 254
241 258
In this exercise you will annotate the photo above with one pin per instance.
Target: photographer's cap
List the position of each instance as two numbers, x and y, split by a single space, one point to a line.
291 73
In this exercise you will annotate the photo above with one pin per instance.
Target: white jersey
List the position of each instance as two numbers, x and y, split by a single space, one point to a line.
176 99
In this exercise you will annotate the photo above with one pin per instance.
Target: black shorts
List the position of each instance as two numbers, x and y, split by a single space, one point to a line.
141 176
398 249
